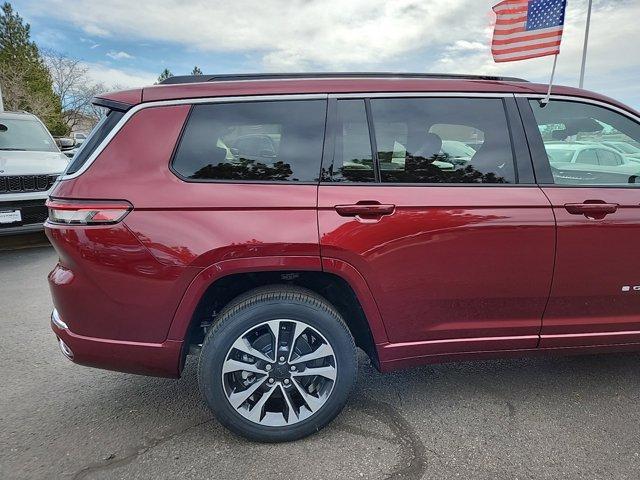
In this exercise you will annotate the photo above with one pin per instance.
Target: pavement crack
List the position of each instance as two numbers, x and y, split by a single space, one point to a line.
129 455
412 463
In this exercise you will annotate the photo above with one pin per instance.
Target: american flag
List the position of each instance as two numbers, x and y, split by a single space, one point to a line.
527 29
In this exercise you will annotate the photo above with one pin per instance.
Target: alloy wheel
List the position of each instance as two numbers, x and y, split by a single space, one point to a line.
279 372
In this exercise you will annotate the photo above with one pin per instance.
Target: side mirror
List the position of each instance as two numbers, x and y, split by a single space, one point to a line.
65 143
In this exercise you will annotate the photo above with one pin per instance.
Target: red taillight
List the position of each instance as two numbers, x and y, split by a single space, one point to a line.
80 212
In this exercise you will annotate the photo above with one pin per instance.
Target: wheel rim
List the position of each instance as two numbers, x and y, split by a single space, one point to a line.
279 372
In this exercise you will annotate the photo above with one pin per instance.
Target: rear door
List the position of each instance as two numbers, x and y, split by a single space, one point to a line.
595 297
457 250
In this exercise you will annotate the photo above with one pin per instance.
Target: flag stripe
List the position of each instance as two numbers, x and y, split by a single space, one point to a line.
525 48
515 5
519 27
511 21
506 57
525 36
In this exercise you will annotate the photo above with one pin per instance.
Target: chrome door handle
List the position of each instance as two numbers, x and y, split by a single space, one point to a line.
365 209
592 209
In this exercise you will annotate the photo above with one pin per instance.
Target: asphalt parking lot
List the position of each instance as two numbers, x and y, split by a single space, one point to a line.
573 417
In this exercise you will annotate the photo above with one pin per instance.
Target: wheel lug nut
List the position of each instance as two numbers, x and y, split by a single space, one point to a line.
281 359
286 381
271 380
267 367
293 368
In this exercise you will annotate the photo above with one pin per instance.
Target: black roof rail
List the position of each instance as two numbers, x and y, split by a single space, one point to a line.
280 76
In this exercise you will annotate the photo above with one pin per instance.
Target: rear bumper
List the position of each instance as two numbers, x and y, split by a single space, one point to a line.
158 359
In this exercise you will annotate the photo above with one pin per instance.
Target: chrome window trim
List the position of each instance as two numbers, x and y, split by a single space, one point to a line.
444 94
185 101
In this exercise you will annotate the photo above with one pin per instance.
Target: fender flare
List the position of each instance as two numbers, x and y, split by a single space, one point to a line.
199 285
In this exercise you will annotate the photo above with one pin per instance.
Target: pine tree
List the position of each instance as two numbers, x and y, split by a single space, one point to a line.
25 79
196 71
166 73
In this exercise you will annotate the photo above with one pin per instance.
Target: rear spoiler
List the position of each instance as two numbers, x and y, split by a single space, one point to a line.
120 101
111 104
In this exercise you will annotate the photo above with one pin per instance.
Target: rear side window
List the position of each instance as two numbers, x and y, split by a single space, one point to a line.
95 138
264 141
443 140
598 138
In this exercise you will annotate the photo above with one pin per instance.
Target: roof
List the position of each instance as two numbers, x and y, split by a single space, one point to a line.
332 83
16 115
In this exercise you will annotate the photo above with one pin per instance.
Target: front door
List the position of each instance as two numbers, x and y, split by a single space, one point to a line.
594 187
457 253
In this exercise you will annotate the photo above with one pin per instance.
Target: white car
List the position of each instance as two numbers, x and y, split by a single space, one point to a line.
79 137
590 161
30 163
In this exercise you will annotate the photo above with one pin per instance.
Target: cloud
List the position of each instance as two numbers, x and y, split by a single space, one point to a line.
331 34
114 78
304 35
118 55
608 67
93 29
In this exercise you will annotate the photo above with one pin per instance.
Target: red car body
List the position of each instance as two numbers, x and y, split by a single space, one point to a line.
448 273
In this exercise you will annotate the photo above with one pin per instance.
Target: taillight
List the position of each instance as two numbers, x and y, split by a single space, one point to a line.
79 212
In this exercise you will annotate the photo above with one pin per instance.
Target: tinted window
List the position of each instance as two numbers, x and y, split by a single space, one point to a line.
95 138
609 158
352 158
443 140
588 157
595 135
274 141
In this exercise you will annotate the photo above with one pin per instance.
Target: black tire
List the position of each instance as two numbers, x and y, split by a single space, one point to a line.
252 309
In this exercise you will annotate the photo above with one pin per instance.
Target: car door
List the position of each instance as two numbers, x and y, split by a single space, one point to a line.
458 252
594 299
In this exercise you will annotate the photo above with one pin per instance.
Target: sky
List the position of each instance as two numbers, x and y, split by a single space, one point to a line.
127 43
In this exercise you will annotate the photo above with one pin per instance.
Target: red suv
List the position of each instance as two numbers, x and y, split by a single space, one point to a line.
269 224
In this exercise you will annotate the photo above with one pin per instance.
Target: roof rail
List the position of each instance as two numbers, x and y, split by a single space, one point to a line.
285 76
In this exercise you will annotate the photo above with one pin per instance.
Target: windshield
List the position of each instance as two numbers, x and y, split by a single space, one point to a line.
560 156
25 134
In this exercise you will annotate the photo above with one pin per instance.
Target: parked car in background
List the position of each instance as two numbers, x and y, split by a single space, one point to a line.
30 163
629 151
335 222
594 161
79 137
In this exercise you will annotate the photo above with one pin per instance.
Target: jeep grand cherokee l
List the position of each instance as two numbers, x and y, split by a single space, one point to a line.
271 224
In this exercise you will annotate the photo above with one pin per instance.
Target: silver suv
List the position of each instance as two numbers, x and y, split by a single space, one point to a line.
30 163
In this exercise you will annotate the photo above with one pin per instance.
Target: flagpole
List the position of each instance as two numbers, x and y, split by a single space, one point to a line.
586 43
553 72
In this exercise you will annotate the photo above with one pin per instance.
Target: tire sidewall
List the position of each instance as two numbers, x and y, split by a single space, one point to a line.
215 349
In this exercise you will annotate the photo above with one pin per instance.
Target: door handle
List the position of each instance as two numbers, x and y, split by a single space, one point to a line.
595 209
365 209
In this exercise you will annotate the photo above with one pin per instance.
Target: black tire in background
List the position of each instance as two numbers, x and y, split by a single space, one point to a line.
252 309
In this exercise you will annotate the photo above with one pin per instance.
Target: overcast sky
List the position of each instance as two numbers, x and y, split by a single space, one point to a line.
128 42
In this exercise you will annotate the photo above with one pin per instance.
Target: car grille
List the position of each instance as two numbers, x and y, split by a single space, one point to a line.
26 183
32 211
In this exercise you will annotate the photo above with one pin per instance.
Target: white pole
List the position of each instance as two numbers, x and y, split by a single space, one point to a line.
586 43
1 101
553 72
